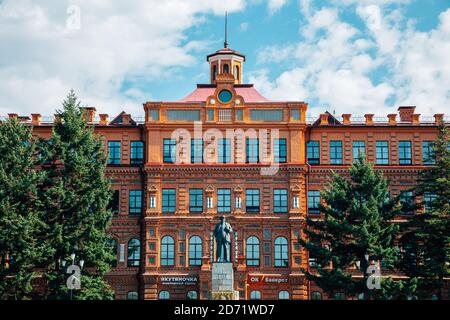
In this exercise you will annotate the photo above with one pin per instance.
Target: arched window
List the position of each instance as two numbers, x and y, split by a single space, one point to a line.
236 72
252 251
167 251
195 251
134 252
281 252
226 68
283 295
113 245
255 295
214 72
192 295
164 295
132 295
315 295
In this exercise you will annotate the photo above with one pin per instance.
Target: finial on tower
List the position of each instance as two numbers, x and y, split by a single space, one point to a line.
225 44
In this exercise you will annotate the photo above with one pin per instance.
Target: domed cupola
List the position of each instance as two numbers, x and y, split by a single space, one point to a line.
226 64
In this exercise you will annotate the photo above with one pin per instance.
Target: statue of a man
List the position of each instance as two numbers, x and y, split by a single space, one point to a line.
222 233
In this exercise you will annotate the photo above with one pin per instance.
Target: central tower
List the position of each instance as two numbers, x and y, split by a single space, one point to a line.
226 64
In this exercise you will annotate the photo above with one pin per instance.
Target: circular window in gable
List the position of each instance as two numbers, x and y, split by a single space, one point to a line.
225 96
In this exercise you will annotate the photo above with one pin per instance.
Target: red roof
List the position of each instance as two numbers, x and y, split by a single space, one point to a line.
248 93
225 51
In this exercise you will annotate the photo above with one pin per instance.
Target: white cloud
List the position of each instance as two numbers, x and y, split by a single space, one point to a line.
117 41
276 5
333 62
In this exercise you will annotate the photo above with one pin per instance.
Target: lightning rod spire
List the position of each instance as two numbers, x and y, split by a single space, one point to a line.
225 44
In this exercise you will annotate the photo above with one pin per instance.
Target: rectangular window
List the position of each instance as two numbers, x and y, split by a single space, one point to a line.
196 151
168 200
404 152
154 114
407 202
135 201
252 150
137 152
280 200
196 200
313 201
224 152
336 152
280 150
113 152
295 114
223 200
427 150
313 151
252 200
359 150
210 115
267 234
183 115
114 202
266 115
225 115
382 152
239 115
169 149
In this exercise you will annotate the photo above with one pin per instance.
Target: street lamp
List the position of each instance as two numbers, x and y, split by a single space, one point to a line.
73 268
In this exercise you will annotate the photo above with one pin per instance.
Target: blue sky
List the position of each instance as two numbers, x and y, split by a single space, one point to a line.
348 56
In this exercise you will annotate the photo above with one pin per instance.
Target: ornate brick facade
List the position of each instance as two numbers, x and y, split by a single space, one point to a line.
154 195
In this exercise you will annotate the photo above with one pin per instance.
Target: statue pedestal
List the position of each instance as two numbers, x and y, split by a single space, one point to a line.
223 282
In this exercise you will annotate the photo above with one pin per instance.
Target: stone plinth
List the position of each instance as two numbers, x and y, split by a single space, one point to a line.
223 282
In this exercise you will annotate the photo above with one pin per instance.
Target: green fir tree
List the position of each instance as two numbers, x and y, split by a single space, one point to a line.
354 230
20 210
426 237
76 197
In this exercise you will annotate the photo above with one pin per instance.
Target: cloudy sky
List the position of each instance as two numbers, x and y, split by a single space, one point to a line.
351 56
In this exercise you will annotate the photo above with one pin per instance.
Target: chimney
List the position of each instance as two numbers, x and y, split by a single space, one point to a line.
415 119
89 114
36 118
369 119
12 115
392 118
103 119
438 118
126 118
324 119
346 118
406 113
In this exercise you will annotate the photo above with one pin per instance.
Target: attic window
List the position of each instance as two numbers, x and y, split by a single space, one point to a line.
295 114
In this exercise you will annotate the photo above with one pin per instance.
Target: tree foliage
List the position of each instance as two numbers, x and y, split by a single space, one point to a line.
426 237
356 223
20 210
76 196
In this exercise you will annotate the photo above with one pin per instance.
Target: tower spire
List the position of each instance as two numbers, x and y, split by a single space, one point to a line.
225 44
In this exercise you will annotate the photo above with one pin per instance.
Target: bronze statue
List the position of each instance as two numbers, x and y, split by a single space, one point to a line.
222 233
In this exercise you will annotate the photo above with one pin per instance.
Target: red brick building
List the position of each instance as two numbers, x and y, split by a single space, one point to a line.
192 160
